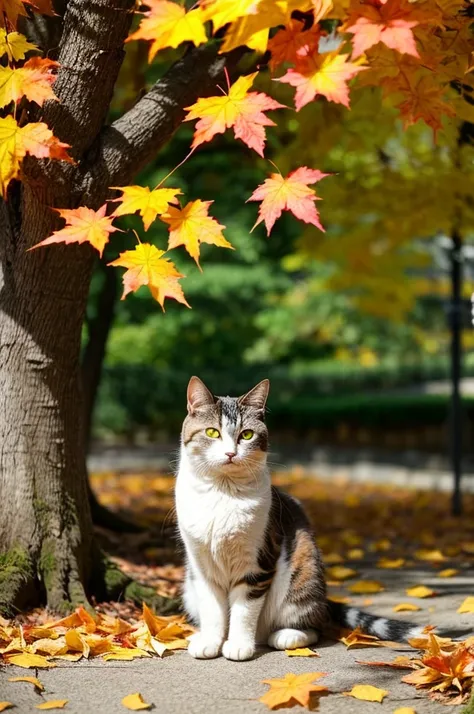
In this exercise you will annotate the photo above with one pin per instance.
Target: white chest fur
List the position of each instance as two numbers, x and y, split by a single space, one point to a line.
222 530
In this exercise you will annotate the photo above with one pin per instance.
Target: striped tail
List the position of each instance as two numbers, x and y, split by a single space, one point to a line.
382 627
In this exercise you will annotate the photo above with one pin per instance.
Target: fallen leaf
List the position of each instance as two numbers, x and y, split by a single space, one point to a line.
146 266
191 226
292 194
302 652
406 607
433 556
297 687
400 662
29 660
467 605
420 591
125 653
391 564
448 573
135 702
53 704
358 638
5 705
339 572
83 225
340 598
355 554
366 587
367 693
333 559
240 109
32 680
149 204
404 710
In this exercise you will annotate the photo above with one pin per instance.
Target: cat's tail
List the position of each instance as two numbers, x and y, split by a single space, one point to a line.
382 627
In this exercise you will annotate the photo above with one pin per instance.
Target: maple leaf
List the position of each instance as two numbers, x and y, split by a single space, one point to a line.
467 605
420 591
168 25
424 100
367 693
297 687
391 564
289 42
406 607
35 139
135 702
32 680
222 12
389 22
27 660
302 652
323 75
83 225
288 194
192 226
441 670
240 109
149 204
32 81
146 266
448 573
52 704
5 705
10 10
358 638
340 572
14 45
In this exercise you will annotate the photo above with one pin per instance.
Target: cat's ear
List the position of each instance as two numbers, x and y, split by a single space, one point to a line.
198 395
257 397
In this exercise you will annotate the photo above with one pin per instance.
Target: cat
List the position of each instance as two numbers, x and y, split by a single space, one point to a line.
253 574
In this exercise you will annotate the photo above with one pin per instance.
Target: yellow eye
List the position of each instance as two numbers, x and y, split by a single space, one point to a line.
247 434
213 433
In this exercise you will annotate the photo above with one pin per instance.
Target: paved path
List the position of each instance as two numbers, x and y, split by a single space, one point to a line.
179 683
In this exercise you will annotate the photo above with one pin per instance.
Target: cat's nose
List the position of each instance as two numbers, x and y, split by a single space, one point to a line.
230 454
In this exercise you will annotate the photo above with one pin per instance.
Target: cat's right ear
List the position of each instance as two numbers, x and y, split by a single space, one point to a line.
198 395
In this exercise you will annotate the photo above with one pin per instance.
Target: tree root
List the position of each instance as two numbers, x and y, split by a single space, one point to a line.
119 586
17 587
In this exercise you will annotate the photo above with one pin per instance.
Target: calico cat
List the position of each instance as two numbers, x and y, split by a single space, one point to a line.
254 574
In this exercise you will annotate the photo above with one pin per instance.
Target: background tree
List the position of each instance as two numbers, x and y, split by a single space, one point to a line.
45 523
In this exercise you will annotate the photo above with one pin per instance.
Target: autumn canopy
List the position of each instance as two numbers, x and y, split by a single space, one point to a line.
419 52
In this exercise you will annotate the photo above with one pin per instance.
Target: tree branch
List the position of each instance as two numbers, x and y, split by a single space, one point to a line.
132 141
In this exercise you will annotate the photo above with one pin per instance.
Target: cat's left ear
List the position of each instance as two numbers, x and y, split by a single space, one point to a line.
257 397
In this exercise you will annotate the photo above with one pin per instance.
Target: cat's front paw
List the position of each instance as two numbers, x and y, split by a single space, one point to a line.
238 650
202 646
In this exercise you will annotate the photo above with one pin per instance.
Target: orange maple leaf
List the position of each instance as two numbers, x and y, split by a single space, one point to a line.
148 203
146 266
83 225
424 100
168 25
35 139
390 22
297 687
324 75
192 226
290 41
240 109
9 12
288 194
32 81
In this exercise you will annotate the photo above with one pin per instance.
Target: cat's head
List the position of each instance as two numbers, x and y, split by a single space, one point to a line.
226 435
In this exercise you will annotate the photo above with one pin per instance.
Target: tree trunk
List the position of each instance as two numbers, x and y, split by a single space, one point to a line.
45 522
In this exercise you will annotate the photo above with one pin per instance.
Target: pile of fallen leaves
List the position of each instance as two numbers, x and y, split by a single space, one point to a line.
83 634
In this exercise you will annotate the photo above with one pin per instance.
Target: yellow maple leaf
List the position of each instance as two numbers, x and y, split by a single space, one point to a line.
302 652
29 660
222 12
297 687
126 654
240 109
32 680
149 204
420 591
366 587
32 81
5 705
135 702
406 607
192 226
333 559
367 693
404 710
340 572
433 556
146 266
467 605
83 225
358 638
53 704
77 642
14 45
168 25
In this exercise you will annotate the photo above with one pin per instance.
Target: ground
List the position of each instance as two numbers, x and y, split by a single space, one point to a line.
359 526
